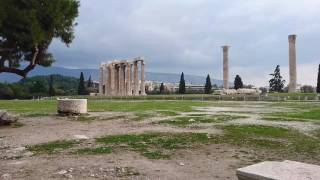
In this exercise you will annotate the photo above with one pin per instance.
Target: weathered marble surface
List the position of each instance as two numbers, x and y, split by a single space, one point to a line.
286 170
72 106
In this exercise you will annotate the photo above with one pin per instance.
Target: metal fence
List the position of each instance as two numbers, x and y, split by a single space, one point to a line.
195 98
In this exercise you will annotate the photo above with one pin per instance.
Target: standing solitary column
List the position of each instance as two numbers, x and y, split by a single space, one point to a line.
135 78
292 64
225 67
142 85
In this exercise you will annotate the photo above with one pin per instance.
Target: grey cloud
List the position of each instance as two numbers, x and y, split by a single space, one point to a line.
186 35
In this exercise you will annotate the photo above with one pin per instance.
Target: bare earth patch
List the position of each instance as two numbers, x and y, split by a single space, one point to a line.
218 160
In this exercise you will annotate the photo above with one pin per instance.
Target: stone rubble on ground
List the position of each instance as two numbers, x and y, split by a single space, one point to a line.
6 118
81 137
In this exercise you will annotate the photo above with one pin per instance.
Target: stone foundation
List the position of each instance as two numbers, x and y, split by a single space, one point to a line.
72 106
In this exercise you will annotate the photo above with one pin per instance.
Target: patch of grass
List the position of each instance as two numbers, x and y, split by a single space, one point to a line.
36 114
113 118
94 151
168 113
17 125
52 147
152 145
313 114
86 119
274 118
155 155
287 141
140 116
184 121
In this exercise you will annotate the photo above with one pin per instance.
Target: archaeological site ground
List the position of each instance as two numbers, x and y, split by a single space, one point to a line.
156 139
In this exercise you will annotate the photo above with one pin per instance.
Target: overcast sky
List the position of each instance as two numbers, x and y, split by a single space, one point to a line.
187 35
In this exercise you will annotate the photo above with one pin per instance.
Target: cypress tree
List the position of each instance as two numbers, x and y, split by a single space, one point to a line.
51 88
238 84
276 83
161 88
208 85
318 83
82 88
182 85
90 82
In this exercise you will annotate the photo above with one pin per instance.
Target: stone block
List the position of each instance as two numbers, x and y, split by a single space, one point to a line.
72 106
286 170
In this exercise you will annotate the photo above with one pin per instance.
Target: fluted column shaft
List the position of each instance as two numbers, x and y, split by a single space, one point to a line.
135 78
142 85
101 80
225 67
292 64
128 79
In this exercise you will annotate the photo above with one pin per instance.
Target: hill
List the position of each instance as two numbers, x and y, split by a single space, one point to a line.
150 76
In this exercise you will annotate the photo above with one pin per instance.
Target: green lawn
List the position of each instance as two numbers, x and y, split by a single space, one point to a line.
43 107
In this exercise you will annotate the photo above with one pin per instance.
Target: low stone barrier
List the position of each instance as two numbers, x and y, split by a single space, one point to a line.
72 106
286 170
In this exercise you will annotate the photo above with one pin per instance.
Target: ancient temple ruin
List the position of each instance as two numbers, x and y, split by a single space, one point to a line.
116 78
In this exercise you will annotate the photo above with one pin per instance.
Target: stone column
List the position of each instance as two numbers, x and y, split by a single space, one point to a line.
109 81
117 75
142 85
105 79
112 79
292 64
121 79
135 79
101 80
128 79
225 67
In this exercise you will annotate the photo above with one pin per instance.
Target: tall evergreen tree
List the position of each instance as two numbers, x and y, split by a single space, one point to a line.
161 88
182 85
238 84
82 88
276 83
90 82
51 88
318 83
208 85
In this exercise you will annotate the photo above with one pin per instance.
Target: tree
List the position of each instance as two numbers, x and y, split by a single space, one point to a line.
276 83
27 28
39 88
182 85
161 88
307 89
208 86
238 84
51 88
82 88
90 82
318 83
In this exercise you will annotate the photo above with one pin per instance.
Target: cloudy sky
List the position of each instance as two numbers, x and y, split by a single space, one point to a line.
187 35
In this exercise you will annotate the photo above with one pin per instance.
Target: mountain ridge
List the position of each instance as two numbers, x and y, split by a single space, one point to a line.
150 76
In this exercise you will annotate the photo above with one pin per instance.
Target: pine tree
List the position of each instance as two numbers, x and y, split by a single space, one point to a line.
51 88
90 83
318 83
238 84
161 88
208 85
276 83
82 88
182 85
